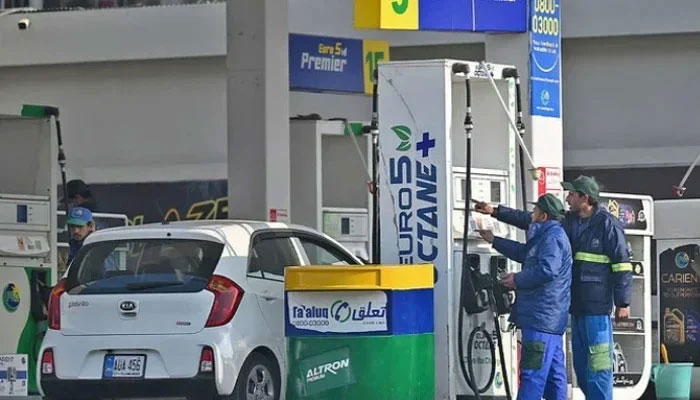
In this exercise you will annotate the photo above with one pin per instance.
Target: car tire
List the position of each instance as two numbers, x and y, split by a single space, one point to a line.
259 375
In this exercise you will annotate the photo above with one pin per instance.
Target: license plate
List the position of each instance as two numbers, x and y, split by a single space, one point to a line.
124 366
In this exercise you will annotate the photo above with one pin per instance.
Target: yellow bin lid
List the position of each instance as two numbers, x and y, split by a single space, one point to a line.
372 277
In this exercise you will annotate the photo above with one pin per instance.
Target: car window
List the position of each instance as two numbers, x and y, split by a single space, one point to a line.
270 255
319 252
144 265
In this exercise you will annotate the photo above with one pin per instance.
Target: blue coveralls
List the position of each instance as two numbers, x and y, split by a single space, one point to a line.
601 273
543 295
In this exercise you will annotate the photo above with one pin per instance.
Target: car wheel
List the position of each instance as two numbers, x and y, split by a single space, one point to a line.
258 380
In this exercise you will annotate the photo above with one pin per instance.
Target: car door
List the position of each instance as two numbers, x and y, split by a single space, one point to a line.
270 253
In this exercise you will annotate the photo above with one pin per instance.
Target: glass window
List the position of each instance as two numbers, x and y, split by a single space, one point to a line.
270 255
320 253
144 265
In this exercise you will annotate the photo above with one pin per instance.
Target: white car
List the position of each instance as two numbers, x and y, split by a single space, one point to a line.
186 309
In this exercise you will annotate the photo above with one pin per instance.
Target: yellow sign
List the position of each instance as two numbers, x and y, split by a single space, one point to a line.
386 14
366 14
373 52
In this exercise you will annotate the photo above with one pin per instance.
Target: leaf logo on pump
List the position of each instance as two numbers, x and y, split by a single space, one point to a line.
404 133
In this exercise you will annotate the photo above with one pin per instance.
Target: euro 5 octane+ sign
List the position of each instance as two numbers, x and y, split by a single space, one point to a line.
414 176
545 57
442 15
320 63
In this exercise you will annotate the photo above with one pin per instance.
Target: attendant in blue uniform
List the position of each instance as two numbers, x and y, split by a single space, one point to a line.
543 295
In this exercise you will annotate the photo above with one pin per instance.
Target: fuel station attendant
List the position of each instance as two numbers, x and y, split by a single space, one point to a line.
601 277
543 294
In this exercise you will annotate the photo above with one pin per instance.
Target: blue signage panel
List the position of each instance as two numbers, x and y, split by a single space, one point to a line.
545 58
500 15
446 15
320 63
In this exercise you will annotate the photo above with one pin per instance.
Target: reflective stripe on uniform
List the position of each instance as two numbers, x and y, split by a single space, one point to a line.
621 267
592 257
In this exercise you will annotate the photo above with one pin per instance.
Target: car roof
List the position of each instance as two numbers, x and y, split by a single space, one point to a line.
237 233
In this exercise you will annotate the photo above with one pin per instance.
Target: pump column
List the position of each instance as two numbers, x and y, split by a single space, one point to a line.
537 55
258 109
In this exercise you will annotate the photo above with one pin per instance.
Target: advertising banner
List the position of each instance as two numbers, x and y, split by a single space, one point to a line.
322 63
545 58
550 181
13 374
679 299
337 311
163 201
630 212
415 177
325 63
325 371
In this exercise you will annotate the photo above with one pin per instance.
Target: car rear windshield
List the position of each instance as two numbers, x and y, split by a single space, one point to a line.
143 266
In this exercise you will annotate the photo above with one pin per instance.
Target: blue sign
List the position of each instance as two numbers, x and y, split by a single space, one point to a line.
473 15
500 15
319 63
446 15
545 58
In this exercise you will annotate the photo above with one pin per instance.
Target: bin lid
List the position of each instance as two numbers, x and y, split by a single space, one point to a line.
373 277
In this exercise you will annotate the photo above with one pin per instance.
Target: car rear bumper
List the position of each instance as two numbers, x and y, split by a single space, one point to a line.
202 386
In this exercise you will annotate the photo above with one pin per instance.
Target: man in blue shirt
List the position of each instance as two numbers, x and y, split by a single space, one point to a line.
80 225
543 295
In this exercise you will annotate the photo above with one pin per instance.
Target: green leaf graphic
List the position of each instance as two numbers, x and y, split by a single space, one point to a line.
404 146
403 132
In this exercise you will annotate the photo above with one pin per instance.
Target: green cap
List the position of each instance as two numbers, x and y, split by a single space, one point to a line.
550 204
583 184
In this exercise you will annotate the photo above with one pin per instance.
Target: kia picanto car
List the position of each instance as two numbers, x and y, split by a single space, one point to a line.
186 309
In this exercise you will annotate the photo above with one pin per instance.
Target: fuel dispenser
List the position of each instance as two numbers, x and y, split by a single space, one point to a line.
426 180
28 250
329 189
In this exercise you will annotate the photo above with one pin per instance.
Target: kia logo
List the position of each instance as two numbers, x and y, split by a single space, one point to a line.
127 306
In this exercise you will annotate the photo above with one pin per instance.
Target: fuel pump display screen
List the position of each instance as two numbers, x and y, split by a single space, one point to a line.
345 226
22 213
496 192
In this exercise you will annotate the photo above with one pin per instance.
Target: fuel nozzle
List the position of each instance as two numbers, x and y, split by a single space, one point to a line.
476 286
503 296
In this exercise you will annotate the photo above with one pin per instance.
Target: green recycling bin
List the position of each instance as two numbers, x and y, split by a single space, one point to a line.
360 332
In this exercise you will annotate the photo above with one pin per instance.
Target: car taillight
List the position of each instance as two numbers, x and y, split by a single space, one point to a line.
227 297
55 305
47 367
206 362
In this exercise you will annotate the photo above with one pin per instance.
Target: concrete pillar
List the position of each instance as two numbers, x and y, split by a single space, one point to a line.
258 107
